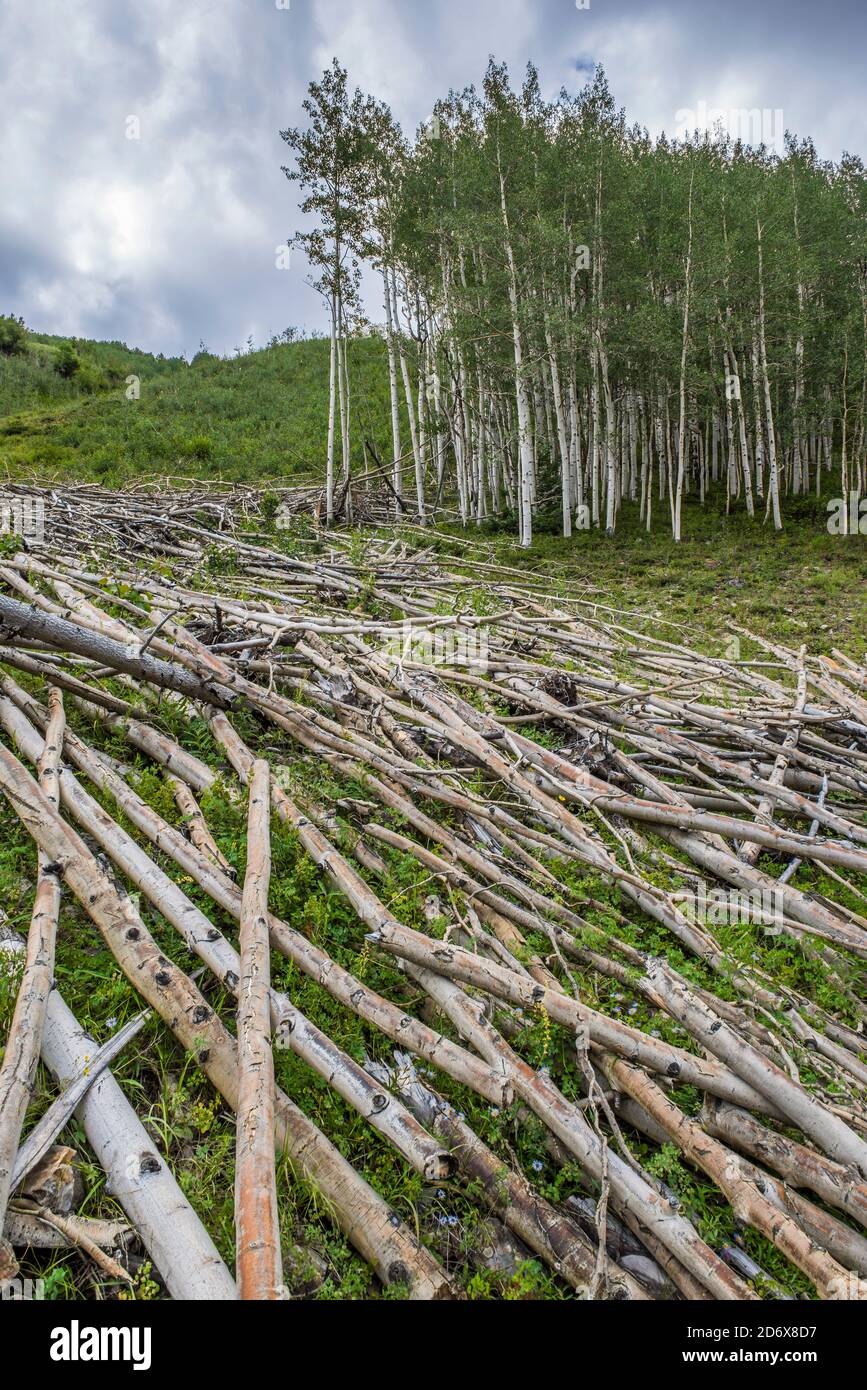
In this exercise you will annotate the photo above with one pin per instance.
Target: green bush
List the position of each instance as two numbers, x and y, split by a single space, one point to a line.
13 335
90 379
67 362
197 446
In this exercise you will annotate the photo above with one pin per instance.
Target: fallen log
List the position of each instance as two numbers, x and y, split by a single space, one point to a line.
21 620
21 1055
136 1174
257 1224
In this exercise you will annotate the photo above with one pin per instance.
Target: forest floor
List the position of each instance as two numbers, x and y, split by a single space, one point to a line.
802 587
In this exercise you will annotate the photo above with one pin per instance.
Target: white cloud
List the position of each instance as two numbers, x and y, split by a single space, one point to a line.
170 238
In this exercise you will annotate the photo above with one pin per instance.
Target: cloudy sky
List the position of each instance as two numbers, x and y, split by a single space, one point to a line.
169 238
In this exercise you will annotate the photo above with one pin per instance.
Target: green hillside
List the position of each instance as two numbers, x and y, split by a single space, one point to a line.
261 415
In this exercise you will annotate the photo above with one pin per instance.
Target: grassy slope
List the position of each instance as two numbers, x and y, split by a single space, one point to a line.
30 382
259 416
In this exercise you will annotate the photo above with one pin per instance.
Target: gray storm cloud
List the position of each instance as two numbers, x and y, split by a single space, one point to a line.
140 153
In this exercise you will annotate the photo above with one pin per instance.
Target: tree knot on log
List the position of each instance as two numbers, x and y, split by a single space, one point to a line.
285 1029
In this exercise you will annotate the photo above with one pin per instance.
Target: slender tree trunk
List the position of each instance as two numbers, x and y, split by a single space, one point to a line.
332 408
397 465
681 433
773 478
525 440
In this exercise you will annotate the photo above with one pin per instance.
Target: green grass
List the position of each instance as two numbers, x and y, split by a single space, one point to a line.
799 586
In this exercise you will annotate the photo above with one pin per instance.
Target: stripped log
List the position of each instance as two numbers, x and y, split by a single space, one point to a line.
23 1044
197 826
257 1223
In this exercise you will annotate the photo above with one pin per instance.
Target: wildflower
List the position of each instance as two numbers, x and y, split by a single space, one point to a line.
537 1165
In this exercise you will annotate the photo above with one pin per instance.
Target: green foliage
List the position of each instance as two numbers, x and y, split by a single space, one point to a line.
198 446
13 335
67 362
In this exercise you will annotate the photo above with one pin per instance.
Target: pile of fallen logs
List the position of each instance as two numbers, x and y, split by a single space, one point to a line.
178 514
501 738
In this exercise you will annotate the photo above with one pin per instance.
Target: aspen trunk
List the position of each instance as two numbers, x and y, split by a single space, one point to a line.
332 409
681 432
397 465
773 476
257 1225
24 1042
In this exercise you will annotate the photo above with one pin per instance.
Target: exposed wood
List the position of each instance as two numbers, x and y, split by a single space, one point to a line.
257 1224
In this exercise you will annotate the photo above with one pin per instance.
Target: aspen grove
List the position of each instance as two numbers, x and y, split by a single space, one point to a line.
578 316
